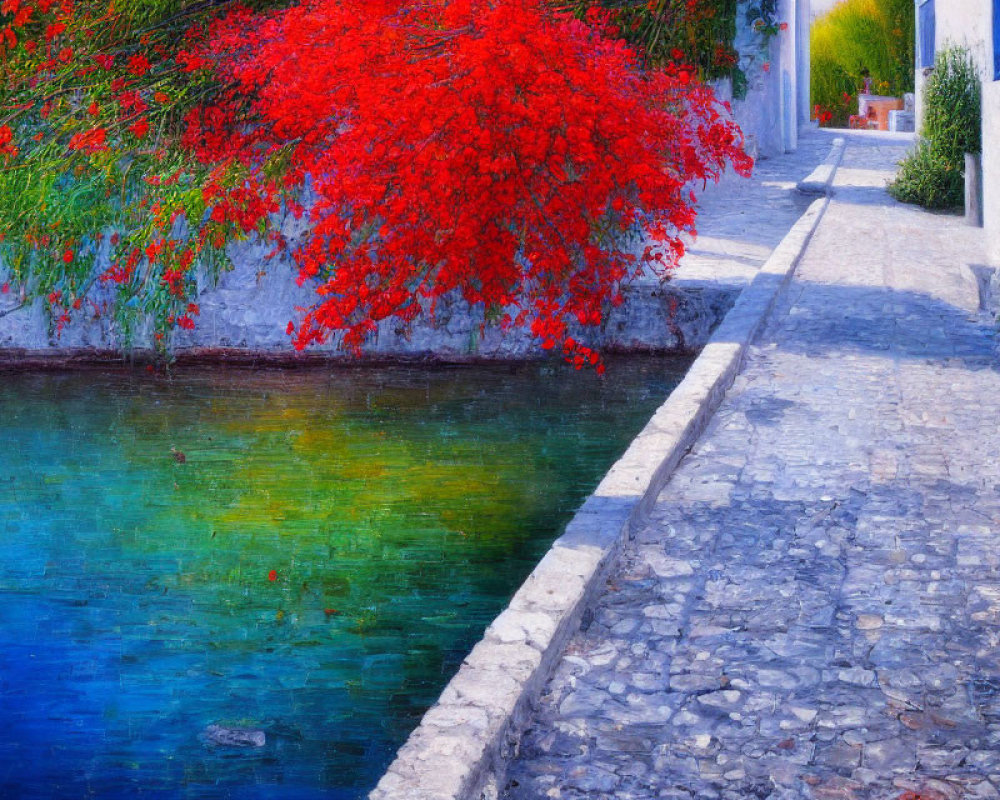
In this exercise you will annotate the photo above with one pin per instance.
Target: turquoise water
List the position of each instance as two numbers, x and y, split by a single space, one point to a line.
305 553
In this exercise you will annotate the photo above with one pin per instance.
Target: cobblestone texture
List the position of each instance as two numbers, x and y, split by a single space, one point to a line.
813 610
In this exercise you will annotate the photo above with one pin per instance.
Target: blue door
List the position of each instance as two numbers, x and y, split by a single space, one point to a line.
925 28
996 40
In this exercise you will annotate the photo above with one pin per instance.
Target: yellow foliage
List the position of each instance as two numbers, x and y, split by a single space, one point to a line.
877 35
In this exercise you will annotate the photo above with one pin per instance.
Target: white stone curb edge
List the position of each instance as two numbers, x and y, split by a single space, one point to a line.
820 180
460 747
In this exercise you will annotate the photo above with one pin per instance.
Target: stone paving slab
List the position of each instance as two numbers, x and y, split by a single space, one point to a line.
813 609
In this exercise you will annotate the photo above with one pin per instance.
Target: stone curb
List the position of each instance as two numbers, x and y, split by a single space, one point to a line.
820 180
459 749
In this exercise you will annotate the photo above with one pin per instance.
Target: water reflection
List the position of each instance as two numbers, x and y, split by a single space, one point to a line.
308 554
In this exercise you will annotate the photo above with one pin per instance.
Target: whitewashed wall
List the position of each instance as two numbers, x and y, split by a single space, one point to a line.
991 167
247 310
958 22
991 151
804 14
969 23
777 99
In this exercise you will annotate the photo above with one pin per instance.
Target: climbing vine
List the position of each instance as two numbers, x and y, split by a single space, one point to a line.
93 98
762 16
698 32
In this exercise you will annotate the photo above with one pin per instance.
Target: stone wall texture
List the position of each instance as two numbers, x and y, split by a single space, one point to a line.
760 112
248 309
246 312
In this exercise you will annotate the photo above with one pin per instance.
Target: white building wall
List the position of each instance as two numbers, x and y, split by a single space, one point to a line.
969 23
789 77
964 22
803 19
991 167
759 113
958 22
991 134
777 70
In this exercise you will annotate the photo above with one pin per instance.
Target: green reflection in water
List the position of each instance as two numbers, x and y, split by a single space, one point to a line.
315 564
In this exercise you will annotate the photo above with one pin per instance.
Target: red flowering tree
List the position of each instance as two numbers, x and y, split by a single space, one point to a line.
492 149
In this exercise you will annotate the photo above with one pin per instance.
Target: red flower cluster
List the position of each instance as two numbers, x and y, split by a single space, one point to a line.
492 150
7 147
725 56
836 114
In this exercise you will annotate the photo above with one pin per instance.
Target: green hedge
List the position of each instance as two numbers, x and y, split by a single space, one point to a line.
933 176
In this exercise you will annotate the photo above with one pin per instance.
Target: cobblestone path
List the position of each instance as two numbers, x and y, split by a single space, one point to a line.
736 234
813 610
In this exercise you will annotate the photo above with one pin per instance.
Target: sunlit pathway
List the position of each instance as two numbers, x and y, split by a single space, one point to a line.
741 221
813 610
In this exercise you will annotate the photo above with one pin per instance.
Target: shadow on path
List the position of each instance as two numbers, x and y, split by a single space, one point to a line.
827 320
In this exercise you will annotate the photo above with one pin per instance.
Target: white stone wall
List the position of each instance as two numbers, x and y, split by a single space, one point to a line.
249 308
759 113
805 11
991 143
969 23
991 167
776 70
789 76
966 23
958 22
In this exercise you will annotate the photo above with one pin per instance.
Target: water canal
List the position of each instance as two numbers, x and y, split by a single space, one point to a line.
308 554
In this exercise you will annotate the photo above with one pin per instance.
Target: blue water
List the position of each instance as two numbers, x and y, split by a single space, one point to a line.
395 509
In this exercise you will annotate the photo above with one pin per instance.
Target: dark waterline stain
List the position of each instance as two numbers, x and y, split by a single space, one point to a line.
236 584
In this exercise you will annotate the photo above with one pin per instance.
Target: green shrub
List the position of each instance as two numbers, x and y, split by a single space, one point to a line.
933 175
927 179
877 35
952 105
